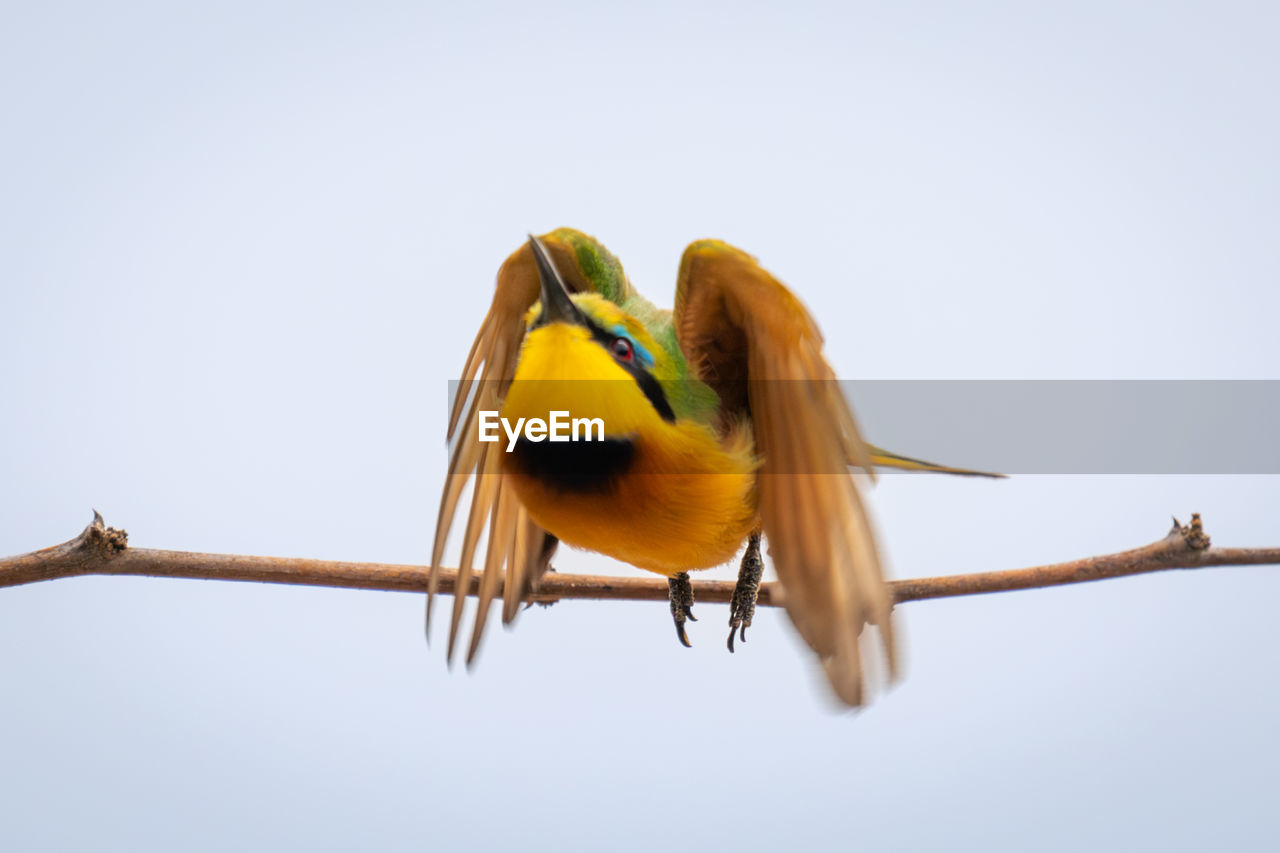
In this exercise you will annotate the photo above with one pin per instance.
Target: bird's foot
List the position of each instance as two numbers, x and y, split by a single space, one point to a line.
680 591
743 605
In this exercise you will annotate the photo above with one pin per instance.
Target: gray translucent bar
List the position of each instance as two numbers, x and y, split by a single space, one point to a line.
1056 426
1078 426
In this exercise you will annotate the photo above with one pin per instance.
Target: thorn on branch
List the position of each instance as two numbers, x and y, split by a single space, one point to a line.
1193 535
103 541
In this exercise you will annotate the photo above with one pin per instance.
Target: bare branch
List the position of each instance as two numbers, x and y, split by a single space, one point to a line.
101 550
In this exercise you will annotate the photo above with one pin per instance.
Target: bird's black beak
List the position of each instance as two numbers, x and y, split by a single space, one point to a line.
557 307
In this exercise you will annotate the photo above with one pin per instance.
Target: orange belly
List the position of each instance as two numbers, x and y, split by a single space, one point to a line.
671 511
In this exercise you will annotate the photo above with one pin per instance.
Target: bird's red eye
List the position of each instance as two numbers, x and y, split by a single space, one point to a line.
621 347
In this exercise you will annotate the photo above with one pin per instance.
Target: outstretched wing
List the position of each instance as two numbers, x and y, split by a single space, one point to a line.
514 539
748 337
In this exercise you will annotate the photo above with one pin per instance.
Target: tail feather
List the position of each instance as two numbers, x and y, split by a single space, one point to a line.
882 458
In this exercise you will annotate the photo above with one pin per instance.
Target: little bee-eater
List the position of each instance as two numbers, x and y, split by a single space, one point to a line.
719 422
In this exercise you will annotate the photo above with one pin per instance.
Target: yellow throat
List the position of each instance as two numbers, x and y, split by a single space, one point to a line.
663 494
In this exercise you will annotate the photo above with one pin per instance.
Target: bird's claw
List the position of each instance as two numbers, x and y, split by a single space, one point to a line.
743 605
682 636
680 591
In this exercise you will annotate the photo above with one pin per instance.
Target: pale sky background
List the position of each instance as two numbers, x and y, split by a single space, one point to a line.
243 250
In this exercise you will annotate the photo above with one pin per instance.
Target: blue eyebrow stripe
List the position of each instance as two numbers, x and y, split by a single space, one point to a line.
646 357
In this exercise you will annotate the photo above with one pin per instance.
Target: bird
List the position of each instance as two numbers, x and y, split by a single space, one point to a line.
720 425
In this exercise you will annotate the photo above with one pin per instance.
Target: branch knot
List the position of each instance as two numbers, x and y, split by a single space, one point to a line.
103 541
1193 535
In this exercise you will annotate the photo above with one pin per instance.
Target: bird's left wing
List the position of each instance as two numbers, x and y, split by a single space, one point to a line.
751 340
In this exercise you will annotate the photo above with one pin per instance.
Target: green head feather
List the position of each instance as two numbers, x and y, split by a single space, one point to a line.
689 397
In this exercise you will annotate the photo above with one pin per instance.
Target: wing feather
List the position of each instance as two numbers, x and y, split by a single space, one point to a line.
486 374
482 503
502 528
758 347
533 558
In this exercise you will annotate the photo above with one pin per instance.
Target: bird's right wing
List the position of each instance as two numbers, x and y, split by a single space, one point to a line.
514 539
